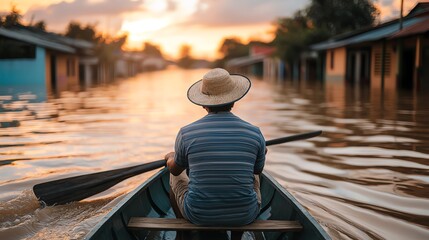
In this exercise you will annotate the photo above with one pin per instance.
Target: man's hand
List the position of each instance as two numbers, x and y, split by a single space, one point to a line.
169 156
171 165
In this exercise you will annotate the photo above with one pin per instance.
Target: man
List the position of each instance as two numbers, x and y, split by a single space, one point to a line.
222 154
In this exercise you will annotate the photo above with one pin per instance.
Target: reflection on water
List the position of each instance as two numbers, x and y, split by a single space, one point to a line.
366 177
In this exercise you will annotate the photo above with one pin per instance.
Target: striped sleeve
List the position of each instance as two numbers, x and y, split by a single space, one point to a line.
180 156
260 160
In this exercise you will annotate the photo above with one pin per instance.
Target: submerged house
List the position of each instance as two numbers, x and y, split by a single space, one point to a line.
259 62
390 55
42 62
128 64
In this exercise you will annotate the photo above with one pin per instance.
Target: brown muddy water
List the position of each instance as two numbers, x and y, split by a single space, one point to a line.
366 177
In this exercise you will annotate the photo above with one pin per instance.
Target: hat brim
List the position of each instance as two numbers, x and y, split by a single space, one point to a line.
242 86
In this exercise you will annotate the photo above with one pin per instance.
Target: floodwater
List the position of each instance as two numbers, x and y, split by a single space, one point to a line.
366 177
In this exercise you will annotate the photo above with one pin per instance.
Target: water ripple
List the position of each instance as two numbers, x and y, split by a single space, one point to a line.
366 177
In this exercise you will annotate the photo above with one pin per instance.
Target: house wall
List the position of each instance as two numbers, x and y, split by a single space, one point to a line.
24 72
391 66
73 81
336 67
121 68
62 73
389 92
66 79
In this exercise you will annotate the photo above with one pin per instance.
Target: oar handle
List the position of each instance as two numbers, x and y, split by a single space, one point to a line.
293 138
76 188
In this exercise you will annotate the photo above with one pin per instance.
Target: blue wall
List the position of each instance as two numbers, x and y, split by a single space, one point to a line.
24 72
24 75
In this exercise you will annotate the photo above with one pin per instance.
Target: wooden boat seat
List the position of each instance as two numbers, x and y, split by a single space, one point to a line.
180 224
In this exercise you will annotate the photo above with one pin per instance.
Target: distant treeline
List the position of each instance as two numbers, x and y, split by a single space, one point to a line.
319 21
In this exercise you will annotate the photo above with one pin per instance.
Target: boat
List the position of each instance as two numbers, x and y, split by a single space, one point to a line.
151 200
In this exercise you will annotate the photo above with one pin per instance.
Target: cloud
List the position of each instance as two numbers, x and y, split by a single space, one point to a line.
59 14
243 12
111 13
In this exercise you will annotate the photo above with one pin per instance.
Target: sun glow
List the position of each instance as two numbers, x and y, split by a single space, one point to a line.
204 41
142 29
167 23
156 5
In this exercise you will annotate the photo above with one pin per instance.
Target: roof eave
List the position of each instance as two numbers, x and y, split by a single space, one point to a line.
36 41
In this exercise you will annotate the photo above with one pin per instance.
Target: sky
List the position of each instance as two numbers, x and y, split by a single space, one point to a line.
202 24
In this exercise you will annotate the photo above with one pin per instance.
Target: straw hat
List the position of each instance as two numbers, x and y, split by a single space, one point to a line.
218 88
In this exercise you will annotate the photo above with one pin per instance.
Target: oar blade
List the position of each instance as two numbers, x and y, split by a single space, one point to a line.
76 188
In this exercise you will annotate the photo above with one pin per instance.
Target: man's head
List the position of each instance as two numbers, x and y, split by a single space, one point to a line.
219 90
223 108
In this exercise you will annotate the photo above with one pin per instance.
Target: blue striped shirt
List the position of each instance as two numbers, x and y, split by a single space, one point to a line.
221 152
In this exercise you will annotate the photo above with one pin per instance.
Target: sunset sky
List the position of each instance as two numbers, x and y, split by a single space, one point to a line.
172 23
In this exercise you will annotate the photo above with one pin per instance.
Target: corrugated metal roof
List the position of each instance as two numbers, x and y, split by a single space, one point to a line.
77 43
36 40
243 61
418 28
374 34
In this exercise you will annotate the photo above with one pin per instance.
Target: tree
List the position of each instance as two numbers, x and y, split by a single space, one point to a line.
233 48
41 25
339 16
108 47
151 50
294 35
79 31
318 22
14 18
185 59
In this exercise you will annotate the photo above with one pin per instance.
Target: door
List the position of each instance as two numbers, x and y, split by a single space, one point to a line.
408 65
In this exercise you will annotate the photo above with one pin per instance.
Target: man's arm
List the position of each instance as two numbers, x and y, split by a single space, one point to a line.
174 169
259 171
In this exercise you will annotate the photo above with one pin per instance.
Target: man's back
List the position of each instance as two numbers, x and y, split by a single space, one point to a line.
222 153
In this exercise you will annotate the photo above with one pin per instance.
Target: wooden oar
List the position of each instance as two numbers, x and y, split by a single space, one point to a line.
71 189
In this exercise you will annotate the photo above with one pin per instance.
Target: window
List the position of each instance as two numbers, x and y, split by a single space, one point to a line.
13 49
378 58
332 59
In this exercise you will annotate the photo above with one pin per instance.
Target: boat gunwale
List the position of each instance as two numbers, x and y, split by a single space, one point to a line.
125 201
300 209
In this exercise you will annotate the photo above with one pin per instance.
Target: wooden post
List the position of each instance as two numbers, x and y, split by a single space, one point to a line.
399 54
418 63
358 66
383 64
